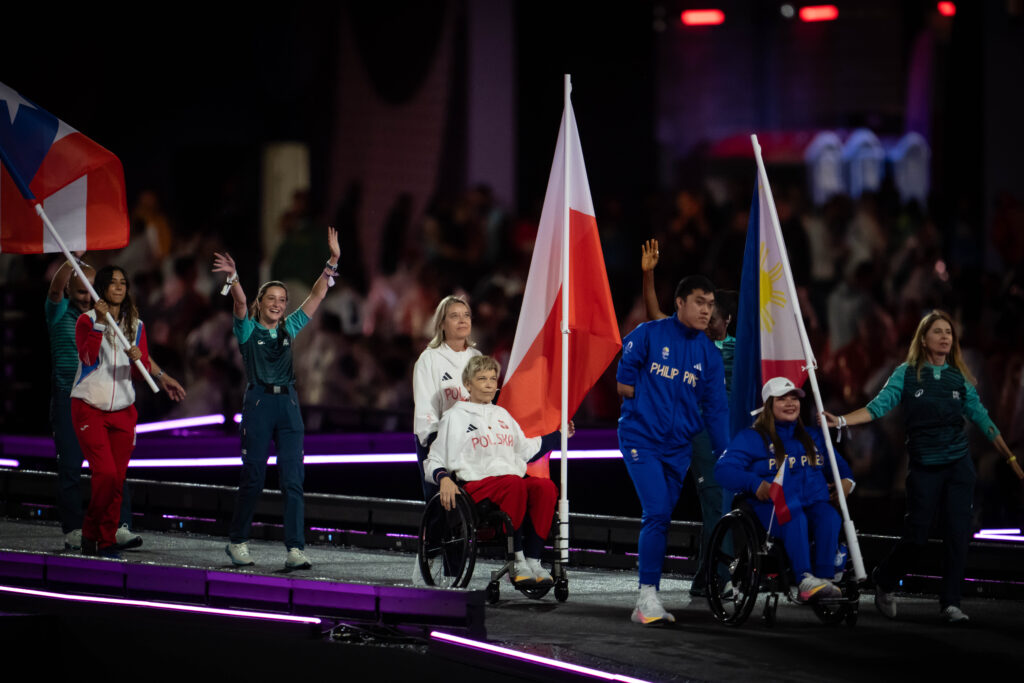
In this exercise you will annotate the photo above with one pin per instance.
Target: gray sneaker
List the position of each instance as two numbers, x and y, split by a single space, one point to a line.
239 554
73 540
885 601
297 560
954 615
124 539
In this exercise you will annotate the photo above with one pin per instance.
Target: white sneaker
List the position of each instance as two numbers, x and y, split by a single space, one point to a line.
540 575
73 540
297 560
954 615
125 539
239 554
522 574
813 588
885 601
648 608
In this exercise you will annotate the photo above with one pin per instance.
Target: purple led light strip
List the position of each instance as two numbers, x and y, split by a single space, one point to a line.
536 659
196 609
183 423
6 462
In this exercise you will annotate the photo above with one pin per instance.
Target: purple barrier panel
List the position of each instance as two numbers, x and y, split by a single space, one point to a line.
22 568
180 581
328 597
86 572
249 587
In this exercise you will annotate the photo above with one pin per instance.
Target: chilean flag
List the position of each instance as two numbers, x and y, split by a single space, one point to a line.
80 184
767 337
777 495
533 383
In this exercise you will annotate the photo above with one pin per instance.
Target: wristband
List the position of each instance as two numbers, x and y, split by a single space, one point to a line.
840 425
329 272
232 279
1012 459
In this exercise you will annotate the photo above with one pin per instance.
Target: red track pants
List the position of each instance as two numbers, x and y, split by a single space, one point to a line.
107 441
518 495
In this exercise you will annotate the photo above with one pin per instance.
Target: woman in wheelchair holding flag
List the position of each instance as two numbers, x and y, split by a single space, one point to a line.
484 447
782 465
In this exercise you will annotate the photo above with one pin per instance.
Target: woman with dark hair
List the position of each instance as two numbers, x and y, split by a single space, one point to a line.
437 376
271 406
103 403
936 391
778 440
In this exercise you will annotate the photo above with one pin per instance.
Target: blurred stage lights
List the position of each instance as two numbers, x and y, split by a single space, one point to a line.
702 17
819 13
787 11
947 9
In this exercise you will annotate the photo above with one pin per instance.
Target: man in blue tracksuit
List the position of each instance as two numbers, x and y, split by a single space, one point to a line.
672 381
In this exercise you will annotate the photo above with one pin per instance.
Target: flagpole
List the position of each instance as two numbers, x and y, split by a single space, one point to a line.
92 292
563 502
848 527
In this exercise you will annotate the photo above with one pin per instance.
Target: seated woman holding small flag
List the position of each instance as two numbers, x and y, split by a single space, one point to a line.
791 499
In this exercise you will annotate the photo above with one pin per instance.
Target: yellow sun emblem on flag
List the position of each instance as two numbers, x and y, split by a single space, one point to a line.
767 292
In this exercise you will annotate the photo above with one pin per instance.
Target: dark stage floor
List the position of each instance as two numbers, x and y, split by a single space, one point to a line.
591 629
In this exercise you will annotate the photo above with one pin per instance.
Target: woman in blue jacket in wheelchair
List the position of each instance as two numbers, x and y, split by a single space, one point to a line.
751 465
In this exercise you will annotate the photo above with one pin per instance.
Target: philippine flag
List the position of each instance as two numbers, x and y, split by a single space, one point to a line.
533 383
778 496
79 183
767 333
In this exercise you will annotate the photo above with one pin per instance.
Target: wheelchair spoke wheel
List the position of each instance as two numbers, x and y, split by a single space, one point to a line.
733 570
447 544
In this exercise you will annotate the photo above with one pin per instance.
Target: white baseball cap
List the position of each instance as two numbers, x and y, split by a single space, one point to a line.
777 387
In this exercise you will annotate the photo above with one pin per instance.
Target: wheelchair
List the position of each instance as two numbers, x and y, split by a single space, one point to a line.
450 540
744 561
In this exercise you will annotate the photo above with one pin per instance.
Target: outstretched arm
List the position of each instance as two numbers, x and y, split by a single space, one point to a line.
223 263
59 282
312 302
648 261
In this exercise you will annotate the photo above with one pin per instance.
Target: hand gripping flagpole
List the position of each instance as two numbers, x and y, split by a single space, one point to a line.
848 527
92 293
563 502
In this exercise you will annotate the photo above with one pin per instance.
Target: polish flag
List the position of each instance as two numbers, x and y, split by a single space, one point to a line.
778 497
79 183
533 383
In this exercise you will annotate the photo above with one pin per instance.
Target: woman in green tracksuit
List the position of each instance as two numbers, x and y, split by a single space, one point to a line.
271 406
936 392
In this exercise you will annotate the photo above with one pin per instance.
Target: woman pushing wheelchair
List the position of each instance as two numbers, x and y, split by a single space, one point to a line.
484 447
801 511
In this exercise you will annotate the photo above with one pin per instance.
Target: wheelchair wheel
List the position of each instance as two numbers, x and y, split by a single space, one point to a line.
447 545
493 593
562 589
734 569
534 592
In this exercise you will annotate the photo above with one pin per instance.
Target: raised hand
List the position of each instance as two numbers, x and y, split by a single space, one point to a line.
223 263
649 258
332 243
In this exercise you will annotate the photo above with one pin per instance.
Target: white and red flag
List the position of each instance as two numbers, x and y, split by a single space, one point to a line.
778 496
79 183
532 390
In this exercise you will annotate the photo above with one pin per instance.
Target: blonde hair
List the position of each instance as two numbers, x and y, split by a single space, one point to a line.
916 356
478 364
439 315
254 310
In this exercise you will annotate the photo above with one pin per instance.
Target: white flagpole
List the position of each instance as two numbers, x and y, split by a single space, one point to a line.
812 365
563 502
92 292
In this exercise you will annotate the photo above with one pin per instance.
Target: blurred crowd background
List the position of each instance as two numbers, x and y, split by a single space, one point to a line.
425 134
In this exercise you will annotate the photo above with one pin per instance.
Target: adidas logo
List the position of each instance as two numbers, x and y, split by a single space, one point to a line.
445 376
472 428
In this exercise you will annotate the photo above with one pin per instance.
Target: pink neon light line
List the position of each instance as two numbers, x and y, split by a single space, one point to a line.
536 659
196 609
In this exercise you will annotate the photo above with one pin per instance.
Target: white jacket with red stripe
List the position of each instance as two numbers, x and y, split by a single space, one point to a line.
104 377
